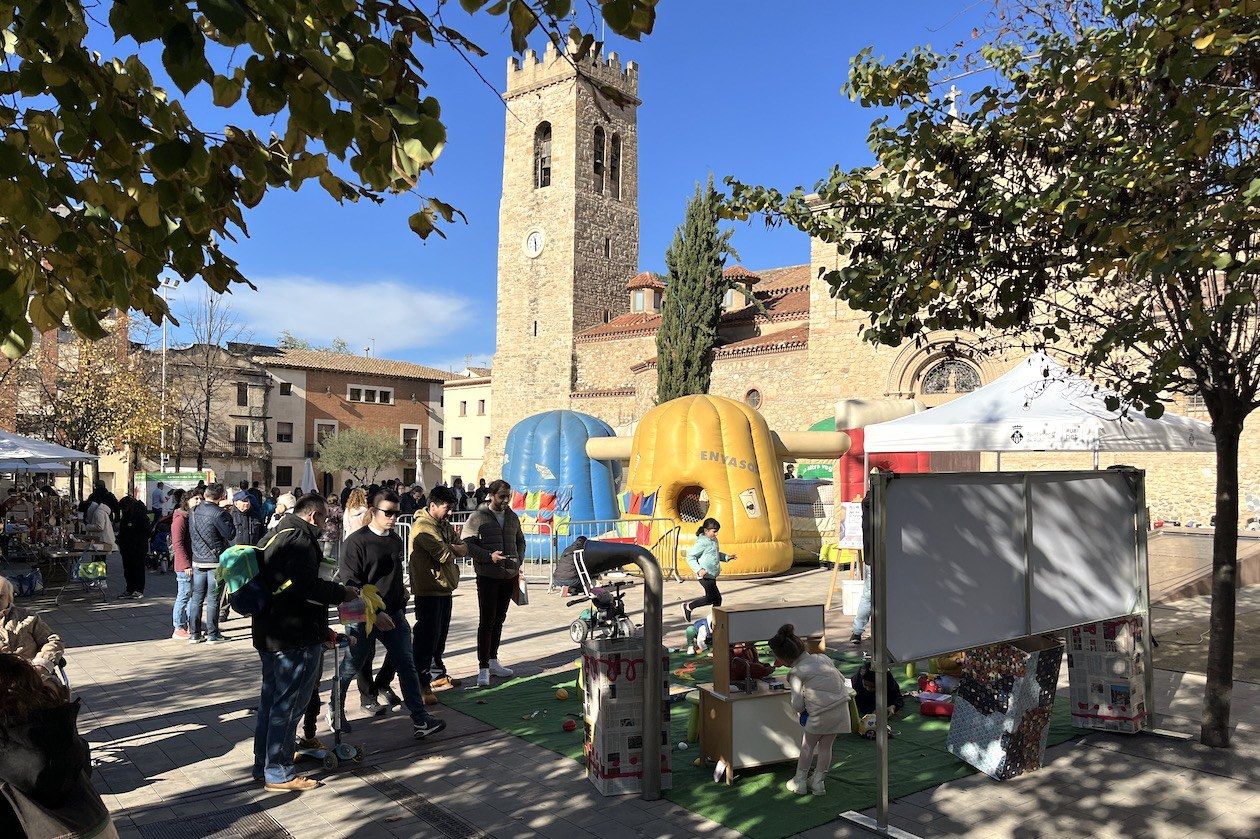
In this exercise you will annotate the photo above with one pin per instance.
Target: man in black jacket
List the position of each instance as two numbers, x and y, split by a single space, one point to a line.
246 525
211 533
497 544
289 634
373 555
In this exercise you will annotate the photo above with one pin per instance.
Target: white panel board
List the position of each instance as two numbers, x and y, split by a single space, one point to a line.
958 553
1084 565
955 559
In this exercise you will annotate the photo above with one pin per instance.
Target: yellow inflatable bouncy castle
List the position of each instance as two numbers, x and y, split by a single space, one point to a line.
712 457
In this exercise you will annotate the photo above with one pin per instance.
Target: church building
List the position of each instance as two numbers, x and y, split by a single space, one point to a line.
577 320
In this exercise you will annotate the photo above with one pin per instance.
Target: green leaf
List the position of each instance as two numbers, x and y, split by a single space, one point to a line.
227 91
522 21
372 59
472 6
421 223
226 15
18 342
148 209
87 323
184 57
168 158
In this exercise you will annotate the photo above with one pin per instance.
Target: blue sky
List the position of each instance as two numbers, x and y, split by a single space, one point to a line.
728 87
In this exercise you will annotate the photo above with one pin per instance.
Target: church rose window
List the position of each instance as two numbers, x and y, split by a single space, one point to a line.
542 156
598 158
950 376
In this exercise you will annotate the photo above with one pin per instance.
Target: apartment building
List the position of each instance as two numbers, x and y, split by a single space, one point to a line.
466 408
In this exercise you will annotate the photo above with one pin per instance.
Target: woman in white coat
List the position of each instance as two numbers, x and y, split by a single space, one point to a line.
820 692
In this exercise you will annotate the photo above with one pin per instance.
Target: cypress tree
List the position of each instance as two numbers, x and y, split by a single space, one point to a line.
693 299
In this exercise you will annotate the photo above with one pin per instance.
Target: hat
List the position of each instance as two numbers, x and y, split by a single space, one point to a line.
242 496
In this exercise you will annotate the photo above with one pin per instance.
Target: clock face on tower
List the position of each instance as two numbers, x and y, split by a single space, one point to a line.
534 242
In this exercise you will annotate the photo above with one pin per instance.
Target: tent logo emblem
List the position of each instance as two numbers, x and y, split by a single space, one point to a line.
1017 435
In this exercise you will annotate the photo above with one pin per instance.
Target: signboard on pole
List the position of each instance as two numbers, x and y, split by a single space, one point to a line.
146 481
851 528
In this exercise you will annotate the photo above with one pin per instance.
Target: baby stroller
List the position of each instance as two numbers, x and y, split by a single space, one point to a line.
159 558
605 617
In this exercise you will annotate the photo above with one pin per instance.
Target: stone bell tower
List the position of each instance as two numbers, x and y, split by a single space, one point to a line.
568 224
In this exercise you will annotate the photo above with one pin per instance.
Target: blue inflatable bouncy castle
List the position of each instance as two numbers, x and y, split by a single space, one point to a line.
554 482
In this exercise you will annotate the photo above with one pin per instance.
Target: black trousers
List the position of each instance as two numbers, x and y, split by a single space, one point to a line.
433 621
133 568
369 685
712 597
493 599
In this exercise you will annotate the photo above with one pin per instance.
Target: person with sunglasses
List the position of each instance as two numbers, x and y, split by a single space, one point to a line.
373 555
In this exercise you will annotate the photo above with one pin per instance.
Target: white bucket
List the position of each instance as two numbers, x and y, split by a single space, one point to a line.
851 596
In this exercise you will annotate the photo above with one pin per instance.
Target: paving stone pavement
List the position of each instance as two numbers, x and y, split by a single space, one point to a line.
171 726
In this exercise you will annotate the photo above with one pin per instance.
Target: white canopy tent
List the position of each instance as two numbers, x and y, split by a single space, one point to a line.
51 467
29 450
1038 406
308 477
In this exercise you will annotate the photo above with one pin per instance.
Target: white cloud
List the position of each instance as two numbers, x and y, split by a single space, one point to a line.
403 320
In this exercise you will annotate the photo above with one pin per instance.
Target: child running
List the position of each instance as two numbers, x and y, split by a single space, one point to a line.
821 693
706 563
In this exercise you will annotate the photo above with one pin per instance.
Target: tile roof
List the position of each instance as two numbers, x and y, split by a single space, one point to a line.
645 279
740 274
481 372
623 326
783 341
347 363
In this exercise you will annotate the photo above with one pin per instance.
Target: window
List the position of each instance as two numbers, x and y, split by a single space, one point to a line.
463 408
542 156
753 398
240 441
457 447
1195 404
409 476
286 388
597 159
481 407
950 376
638 300
486 445
411 441
284 432
614 167
242 394
371 395
324 430
535 329
607 316
607 248
733 299
441 436
284 476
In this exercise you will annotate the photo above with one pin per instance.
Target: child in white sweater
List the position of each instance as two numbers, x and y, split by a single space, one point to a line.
819 690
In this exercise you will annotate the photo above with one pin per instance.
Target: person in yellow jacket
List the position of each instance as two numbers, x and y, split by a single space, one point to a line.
434 569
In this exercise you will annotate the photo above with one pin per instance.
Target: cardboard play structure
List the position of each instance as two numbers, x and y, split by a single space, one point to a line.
712 457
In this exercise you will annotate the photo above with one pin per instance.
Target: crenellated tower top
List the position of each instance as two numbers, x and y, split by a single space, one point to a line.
532 72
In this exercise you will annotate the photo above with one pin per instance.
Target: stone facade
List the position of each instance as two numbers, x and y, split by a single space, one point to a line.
574 275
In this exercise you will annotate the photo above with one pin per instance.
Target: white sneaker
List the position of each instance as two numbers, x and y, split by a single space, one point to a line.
796 785
817 783
483 678
497 669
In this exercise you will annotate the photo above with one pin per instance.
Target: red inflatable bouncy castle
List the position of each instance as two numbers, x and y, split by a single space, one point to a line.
853 465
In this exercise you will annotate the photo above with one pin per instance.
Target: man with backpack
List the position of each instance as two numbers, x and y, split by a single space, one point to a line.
373 555
289 631
211 532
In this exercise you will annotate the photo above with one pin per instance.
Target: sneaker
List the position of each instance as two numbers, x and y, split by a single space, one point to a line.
855 638
309 744
345 723
432 725
180 634
372 706
298 784
444 683
196 639
390 699
137 595
126 595
216 638
796 785
497 669
817 784
687 612
483 678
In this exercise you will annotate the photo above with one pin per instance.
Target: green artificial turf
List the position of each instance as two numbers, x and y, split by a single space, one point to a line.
758 805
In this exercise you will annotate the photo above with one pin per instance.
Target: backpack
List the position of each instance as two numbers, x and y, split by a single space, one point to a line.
240 571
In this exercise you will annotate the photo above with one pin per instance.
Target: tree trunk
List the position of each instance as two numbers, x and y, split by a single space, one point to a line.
1214 730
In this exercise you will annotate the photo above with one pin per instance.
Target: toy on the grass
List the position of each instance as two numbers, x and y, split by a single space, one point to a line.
698 635
936 704
682 745
562 694
698 762
707 456
867 727
950 665
938 683
569 725
553 481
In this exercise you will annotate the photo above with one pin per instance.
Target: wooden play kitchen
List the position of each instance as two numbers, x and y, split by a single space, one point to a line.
749 723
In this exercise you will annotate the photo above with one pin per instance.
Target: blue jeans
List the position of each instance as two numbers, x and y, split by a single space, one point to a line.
288 677
183 591
205 595
398 648
864 605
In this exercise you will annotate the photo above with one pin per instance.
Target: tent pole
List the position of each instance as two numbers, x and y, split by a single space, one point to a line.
999 461
1095 460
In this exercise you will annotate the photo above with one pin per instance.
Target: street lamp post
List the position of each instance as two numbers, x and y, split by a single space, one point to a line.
165 284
